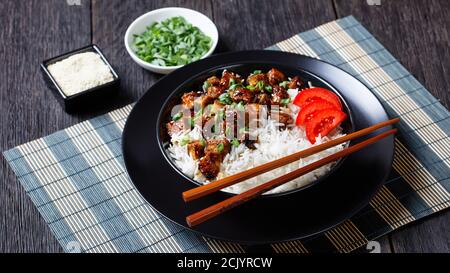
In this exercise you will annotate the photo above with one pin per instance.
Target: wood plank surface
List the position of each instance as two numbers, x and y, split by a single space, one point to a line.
256 24
35 30
31 32
109 24
417 33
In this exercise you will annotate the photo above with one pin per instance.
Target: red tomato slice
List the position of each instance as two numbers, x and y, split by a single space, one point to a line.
312 94
306 112
323 122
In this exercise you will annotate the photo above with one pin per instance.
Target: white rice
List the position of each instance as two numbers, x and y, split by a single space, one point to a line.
272 144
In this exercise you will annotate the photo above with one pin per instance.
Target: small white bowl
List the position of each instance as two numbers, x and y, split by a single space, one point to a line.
194 17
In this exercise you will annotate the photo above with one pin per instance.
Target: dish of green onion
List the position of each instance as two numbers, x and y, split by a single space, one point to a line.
171 42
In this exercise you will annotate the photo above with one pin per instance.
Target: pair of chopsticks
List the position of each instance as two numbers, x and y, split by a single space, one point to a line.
227 204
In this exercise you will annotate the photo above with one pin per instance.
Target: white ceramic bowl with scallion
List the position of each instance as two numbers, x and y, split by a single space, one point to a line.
142 22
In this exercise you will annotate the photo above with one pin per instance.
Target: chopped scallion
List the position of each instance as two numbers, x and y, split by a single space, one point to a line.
250 87
184 140
260 85
225 99
285 101
177 116
220 147
206 85
284 84
171 42
235 142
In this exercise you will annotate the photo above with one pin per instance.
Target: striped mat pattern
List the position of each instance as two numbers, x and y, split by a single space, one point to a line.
77 180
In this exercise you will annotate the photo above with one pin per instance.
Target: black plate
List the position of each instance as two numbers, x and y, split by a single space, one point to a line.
276 218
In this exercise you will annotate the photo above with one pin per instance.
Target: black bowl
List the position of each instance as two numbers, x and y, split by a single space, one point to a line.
290 216
196 82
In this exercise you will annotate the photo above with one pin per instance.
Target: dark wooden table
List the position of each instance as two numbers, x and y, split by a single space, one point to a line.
416 32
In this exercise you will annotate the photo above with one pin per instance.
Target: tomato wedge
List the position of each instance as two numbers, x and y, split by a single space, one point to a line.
312 94
323 122
306 112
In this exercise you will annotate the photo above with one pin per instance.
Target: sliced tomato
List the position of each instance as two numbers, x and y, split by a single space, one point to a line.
306 112
312 94
323 122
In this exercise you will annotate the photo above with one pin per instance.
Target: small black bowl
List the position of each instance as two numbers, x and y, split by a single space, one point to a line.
90 97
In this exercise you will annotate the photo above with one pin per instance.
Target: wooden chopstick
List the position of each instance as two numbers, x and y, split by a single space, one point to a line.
217 185
227 204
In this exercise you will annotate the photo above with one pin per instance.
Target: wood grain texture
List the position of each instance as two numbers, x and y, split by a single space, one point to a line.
35 30
385 246
256 24
109 24
31 32
417 33
429 235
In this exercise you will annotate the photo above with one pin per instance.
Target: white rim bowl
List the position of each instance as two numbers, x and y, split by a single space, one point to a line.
194 17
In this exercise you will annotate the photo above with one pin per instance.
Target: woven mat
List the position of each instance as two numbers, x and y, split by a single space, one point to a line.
77 180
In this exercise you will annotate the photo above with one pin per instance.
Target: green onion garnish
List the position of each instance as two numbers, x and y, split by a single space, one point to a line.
260 85
220 147
235 142
250 87
285 101
284 84
171 42
268 88
234 86
177 116
206 85
256 72
240 106
184 140
225 99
